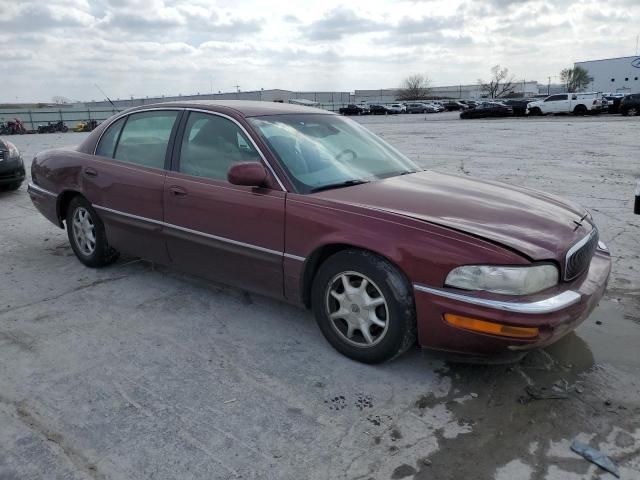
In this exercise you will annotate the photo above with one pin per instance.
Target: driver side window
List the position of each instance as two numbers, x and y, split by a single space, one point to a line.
211 144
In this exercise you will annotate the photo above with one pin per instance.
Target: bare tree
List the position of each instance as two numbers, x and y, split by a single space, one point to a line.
414 87
501 83
575 79
58 100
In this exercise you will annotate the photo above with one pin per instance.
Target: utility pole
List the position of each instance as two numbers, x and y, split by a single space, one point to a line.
549 87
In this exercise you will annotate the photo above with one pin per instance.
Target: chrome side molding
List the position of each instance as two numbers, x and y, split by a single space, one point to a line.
33 187
197 232
547 305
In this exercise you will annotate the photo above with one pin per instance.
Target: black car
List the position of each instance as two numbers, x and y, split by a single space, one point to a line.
488 109
630 105
613 103
380 110
11 166
453 105
352 109
519 105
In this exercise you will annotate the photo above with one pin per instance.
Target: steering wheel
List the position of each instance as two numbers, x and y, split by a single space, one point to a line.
347 151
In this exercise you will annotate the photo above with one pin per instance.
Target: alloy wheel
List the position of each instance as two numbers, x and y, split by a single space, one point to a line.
84 231
357 309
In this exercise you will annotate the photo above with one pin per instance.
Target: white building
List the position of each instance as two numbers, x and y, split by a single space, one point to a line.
613 74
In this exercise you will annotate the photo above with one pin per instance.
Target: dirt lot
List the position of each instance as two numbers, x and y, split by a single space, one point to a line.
138 371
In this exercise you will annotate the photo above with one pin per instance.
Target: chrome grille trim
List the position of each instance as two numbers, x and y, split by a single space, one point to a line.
575 262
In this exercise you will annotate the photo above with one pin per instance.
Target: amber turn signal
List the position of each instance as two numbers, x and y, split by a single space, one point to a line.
491 328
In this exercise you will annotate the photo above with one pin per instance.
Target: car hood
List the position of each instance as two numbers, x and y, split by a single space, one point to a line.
538 225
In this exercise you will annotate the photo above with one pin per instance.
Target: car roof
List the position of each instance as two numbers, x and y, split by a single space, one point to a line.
246 108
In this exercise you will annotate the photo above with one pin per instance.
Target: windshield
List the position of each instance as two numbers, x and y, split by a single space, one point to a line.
321 151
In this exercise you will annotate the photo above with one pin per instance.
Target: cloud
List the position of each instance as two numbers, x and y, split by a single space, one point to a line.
338 23
150 47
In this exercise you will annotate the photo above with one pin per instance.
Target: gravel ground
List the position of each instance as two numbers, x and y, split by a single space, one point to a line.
138 371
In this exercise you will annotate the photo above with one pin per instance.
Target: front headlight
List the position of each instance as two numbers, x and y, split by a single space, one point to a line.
13 151
506 280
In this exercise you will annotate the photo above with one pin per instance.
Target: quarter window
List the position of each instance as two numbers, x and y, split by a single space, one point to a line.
107 143
211 144
145 137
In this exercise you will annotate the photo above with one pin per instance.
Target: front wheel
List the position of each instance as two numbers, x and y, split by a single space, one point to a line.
87 235
364 306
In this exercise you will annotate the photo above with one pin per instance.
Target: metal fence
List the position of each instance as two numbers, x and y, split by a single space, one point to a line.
31 118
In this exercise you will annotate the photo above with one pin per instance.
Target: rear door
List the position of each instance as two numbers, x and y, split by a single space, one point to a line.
125 181
230 233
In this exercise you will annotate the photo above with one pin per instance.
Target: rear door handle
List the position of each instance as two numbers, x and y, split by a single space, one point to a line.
178 191
90 172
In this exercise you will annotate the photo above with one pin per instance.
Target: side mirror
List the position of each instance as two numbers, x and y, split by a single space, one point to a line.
249 174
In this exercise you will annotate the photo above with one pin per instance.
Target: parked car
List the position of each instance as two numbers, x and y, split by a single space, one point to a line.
309 207
12 171
576 103
380 110
486 110
519 105
353 109
397 108
454 105
613 103
420 108
630 105
436 106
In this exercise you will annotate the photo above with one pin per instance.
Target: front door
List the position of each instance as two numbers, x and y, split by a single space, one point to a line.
230 233
125 181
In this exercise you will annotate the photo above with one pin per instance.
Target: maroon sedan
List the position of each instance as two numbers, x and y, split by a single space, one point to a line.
310 207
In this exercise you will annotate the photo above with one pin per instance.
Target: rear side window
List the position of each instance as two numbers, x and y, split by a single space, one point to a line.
145 137
107 143
211 144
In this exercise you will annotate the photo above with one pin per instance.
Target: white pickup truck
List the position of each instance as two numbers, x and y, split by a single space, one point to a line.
576 103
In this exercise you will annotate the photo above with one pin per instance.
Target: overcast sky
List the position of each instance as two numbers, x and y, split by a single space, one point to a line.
154 47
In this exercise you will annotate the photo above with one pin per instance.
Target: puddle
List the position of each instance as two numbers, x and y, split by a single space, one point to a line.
610 334
506 423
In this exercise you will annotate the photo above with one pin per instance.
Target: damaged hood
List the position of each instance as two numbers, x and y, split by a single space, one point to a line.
536 224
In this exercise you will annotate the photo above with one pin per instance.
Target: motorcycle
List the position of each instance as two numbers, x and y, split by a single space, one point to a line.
85 126
59 126
12 127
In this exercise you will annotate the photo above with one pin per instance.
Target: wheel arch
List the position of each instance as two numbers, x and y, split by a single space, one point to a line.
322 253
64 199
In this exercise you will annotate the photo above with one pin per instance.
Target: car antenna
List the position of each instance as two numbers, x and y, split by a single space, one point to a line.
105 96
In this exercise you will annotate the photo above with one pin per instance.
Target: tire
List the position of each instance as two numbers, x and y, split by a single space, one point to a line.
535 112
10 187
88 221
632 111
580 110
396 310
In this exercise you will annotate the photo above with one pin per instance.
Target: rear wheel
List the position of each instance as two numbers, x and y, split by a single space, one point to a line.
632 111
87 235
364 306
535 111
580 110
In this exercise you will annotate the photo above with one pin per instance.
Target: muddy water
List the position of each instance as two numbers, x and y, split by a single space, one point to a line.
596 368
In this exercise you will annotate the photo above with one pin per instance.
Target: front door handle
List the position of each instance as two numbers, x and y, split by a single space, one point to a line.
178 191
90 172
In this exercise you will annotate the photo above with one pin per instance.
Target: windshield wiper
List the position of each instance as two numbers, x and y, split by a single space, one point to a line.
346 183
